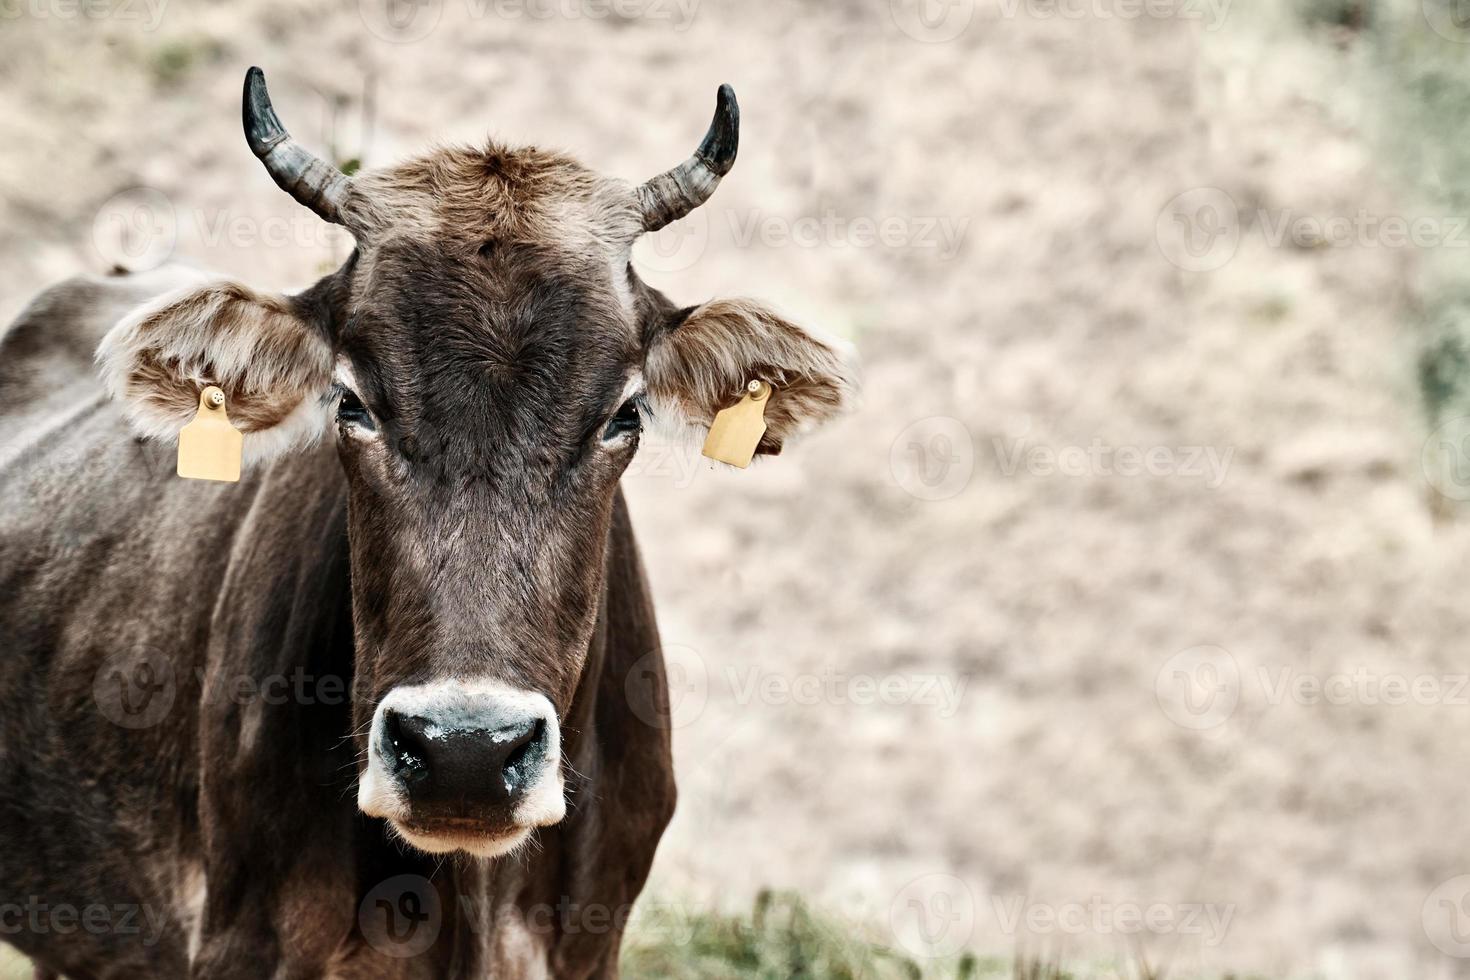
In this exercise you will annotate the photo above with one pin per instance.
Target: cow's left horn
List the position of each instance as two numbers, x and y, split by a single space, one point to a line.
674 193
308 178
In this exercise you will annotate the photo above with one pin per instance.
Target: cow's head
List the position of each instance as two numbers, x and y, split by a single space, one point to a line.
486 358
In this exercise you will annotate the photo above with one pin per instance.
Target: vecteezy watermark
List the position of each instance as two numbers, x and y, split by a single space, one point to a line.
936 914
1200 688
687 685
676 246
690 682
933 458
134 687
679 245
1200 230
1446 916
405 915
1097 916
1361 686
408 21
937 21
932 21
148 14
300 229
37 917
941 233
300 686
136 229
401 917
137 688
1210 13
933 916
568 916
670 462
1208 464
1445 459
752 685
139 229
1450 19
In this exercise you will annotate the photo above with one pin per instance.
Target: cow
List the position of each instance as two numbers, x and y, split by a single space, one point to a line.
393 705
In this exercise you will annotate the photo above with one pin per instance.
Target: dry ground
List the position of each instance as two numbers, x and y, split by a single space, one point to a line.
1025 293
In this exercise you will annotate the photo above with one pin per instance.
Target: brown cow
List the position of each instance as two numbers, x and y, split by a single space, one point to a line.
424 596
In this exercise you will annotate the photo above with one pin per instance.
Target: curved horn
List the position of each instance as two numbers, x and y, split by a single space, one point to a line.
309 179
674 193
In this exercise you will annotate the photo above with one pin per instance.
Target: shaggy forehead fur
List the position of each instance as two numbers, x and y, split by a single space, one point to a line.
489 302
461 197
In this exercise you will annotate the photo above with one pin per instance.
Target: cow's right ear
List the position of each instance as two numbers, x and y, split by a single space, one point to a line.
274 366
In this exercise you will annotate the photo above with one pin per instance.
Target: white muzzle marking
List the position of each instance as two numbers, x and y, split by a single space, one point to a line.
439 710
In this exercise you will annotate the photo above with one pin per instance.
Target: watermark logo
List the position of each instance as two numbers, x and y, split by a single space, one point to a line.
670 462
134 688
36 917
408 21
690 682
1211 12
933 458
298 687
1446 916
1206 463
1198 688
942 692
146 13
401 917
688 687
1098 916
136 229
1445 459
676 246
932 21
1450 19
1199 230
400 21
942 234
933 916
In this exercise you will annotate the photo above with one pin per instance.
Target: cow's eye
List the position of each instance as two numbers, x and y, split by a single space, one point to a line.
627 420
351 411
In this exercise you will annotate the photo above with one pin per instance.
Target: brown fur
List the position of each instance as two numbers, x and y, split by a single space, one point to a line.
704 365
251 345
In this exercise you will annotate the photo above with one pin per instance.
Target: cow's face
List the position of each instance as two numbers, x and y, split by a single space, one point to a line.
487 361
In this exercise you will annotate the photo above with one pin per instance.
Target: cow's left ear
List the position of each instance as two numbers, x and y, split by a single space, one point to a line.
274 366
703 365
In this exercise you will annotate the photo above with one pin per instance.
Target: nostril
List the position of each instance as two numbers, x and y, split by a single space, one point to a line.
522 760
406 745
522 746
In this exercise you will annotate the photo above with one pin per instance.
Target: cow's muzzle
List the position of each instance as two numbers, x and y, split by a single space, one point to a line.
464 766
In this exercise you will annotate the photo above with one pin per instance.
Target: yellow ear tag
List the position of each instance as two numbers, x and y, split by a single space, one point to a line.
210 447
737 430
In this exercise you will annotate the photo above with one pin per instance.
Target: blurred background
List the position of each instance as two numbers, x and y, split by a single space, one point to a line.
1122 628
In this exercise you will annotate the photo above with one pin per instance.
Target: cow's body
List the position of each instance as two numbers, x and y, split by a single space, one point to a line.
216 814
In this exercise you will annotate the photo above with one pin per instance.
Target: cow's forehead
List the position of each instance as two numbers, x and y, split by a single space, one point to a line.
461 198
494 286
531 340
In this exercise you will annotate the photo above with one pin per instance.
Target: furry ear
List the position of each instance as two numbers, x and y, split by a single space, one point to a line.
274 367
703 365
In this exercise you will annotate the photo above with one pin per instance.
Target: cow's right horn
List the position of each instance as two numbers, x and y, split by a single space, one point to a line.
308 178
674 193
